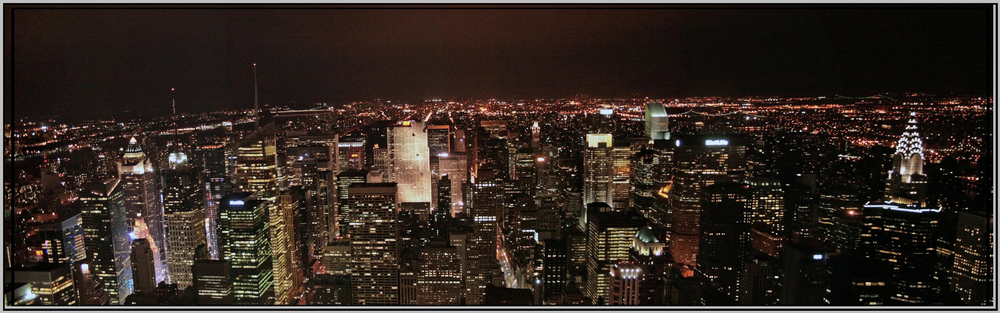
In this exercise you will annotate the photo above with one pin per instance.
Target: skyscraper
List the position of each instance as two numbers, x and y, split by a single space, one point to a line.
245 240
108 244
907 183
768 202
598 169
699 161
256 164
610 234
410 157
142 201
142 267
185 219
374 236
456 166
439 139
283 249
444 197
212 160
657 121
901 239
725 235
344 181
621 155
486 210
972 275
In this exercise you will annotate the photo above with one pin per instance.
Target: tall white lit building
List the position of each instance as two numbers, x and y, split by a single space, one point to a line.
598 169
410 157
907 183
657 121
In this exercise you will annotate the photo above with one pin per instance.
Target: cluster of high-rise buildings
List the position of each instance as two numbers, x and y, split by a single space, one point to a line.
480 211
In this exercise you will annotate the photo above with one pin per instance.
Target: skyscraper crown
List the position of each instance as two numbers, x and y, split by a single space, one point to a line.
910 143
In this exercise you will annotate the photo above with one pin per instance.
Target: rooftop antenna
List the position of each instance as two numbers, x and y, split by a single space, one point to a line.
256 118
173 104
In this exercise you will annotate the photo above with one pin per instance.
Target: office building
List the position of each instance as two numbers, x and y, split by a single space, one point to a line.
699 161
142 202
657 121
374 236
626 278
51 283
456 166
901 238
245 240
143 277
598 169
107 237
185 219
725 236
439 275
410 159
610 235
344 180
972 274
284 249
212 282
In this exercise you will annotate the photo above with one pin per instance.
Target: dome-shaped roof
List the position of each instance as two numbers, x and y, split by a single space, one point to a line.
646 235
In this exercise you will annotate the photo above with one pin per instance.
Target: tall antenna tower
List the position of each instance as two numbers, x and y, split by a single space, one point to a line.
173 100
256 118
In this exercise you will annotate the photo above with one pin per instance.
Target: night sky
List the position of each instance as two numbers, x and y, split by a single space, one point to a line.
91 62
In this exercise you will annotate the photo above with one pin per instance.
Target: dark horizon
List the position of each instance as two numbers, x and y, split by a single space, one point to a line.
71 61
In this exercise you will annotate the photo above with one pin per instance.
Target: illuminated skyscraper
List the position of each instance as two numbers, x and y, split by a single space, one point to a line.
456 166
410 158
185 219
246 243
536 136
142 201
486 210
284 250
598 170
622 168
901 238
768 202
657 121
699 161
972 275
212 160
610 236
256 163
374 236
108 244
907 183
344 180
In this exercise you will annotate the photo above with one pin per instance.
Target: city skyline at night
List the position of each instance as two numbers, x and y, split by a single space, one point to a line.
500 156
